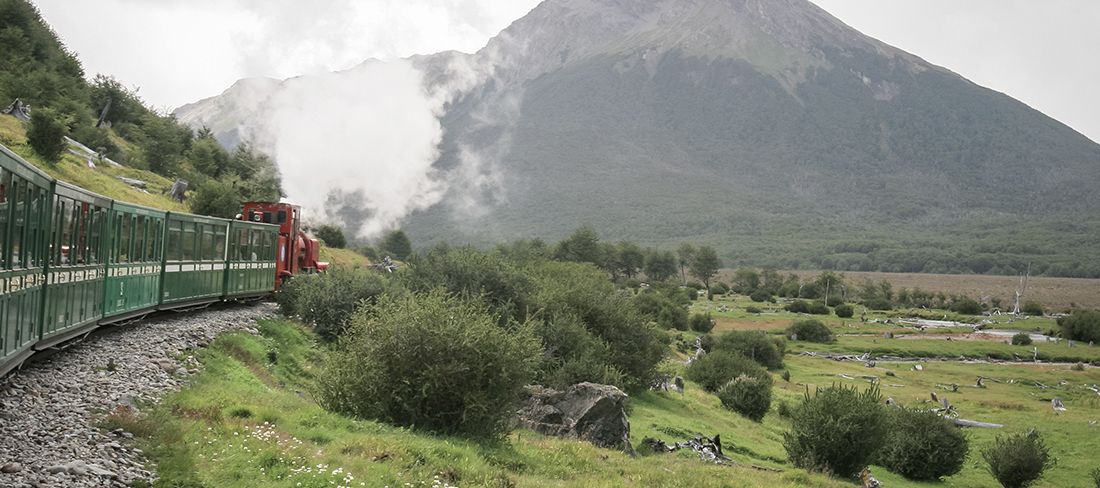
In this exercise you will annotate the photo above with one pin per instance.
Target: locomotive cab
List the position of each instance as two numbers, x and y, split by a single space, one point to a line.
297 252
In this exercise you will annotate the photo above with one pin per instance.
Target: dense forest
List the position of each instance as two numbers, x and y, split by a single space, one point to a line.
110 118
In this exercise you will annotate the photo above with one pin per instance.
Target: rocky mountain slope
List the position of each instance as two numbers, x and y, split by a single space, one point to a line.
767 127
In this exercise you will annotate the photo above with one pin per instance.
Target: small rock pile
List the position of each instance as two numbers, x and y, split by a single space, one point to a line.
49 410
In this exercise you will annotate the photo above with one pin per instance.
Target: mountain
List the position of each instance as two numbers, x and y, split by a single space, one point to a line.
767 128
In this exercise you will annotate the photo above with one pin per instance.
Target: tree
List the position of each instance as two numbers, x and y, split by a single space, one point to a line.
660 266
583 246
46 134
208 157
704 266
746 281
629 259
686 254
332 235
397 244
216 199
1018 460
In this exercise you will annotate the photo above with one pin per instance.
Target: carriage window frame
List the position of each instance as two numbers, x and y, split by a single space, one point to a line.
174 244
188 241
18 224
219 243
5 217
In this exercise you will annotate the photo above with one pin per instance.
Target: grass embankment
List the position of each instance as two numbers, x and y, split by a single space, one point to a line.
344 258
248 421
102 180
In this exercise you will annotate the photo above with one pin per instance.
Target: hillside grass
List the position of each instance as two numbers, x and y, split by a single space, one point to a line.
343 258
102 180
248 421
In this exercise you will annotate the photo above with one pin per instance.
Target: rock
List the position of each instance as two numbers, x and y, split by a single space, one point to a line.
11 468
59 468
585 411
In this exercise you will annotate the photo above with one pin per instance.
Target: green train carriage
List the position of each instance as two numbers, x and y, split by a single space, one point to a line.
71 260
25 194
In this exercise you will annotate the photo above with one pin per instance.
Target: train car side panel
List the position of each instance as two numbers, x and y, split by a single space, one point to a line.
194 264
136 251
251 260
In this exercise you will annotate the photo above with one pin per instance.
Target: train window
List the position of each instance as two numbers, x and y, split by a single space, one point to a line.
63 233
82 234
219 243
37 203
18 222
188 241
5 183
125 238
174 241
139 238
282 217
242 245
207 253
153 239
95 222
257 244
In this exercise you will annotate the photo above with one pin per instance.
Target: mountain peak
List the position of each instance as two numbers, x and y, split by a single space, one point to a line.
775 36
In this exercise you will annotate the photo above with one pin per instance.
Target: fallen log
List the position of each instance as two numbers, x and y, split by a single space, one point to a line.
975 423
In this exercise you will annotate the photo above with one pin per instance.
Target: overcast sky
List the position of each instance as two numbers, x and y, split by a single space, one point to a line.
1042 52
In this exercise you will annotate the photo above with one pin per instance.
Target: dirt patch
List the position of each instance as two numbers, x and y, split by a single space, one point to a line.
723 324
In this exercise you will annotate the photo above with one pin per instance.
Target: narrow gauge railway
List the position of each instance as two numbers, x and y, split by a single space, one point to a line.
72 261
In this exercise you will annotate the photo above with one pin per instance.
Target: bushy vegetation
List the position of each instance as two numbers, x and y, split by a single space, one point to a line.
844 311
396 244
755 345
837 429
750 396
476 274
1021 339
810 331
431 361
815 307
331 235
665 307
1034 309
714 369
1081 326
1018 460
966 306
761 296
45 134
702 322
326 301
591 332
922 445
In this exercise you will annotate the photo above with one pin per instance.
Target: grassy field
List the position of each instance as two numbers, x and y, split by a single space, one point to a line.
343 258
1054 293
248 421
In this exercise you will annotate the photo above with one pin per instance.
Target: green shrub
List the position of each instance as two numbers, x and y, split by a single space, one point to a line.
786 376
326 301
844 311
469 272
798 306
750 396
818 307
1033 308
810 331
761 296
332 236
661 308
922 445
701 322
966 306
838 430
46 134
754 345
719 289
715 369
834 301
1081 326
1021 339
1095 475
433 361
751 309
579 298
784 410
1018 460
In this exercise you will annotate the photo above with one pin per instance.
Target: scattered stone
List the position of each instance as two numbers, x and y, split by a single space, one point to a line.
709 450
49 409
587 411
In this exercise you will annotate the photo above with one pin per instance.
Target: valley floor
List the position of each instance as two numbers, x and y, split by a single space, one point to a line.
248 420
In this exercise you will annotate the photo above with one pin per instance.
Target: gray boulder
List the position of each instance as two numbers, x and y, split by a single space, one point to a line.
587 411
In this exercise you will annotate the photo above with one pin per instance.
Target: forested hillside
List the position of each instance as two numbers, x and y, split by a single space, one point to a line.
111 119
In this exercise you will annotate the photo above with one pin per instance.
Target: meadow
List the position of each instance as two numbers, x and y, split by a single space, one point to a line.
249 418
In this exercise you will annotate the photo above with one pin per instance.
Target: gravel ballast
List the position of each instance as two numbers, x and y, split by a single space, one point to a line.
49 410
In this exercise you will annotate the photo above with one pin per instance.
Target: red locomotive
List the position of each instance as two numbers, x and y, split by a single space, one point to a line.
296 252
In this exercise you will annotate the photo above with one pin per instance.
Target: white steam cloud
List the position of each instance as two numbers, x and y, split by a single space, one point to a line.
359 147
